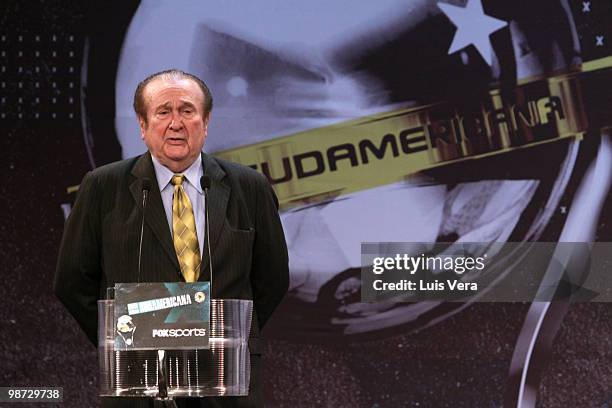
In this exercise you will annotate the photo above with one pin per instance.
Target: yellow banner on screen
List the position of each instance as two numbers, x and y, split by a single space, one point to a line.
324 163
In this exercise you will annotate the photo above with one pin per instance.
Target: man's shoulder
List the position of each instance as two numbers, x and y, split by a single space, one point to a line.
240 172
247 181
115 170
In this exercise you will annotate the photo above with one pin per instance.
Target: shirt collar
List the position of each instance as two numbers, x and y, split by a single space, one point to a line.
192 174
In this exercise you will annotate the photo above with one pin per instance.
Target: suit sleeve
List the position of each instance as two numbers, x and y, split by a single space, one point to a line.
78 271
270 271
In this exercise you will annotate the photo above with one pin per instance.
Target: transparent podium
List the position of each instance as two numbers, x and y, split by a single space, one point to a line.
221 370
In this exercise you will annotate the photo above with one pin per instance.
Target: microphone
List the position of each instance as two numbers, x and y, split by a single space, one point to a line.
146 187
205 184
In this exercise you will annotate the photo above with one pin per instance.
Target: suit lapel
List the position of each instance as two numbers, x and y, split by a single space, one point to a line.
155 216
218 196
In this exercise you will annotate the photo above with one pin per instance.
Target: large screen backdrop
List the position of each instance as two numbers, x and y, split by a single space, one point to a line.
421 121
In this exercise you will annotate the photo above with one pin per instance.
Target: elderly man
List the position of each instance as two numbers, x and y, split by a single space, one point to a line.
100 244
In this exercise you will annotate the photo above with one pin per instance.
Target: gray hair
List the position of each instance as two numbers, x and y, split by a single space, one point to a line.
169 75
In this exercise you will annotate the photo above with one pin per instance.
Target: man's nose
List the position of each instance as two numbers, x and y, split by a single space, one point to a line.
176 123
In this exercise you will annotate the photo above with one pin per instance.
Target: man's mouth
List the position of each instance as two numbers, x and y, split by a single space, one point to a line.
175 140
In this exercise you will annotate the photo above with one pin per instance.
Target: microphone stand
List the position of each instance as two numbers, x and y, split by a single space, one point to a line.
205 184
146 187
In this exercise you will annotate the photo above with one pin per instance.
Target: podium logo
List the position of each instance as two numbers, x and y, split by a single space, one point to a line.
199 297
125 329
178 332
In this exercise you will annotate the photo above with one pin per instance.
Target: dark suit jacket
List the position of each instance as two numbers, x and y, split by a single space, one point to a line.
100 242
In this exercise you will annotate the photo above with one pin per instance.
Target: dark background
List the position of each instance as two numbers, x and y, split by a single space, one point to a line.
463 361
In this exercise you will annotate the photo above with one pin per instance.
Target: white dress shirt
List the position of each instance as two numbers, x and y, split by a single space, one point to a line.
192 187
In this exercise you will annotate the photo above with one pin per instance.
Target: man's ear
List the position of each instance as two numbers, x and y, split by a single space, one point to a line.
143 126
206 122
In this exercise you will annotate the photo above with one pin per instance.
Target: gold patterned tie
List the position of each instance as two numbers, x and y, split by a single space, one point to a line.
184 230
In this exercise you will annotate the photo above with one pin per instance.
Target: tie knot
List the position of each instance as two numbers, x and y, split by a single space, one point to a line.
177 180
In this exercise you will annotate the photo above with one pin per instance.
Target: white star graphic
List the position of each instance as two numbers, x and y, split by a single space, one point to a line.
473 27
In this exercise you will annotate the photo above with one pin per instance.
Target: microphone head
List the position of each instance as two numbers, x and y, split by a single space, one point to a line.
205 182
146 184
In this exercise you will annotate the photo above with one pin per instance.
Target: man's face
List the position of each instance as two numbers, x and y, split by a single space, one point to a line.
176 125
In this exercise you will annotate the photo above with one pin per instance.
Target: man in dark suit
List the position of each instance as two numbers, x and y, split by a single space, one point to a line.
101 237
